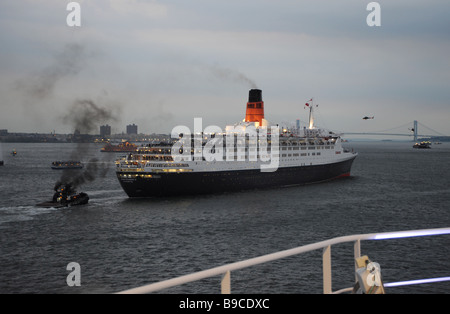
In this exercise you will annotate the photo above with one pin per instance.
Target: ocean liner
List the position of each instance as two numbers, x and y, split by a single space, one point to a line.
252 154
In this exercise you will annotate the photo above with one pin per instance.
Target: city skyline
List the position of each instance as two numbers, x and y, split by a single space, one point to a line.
160 64
106 130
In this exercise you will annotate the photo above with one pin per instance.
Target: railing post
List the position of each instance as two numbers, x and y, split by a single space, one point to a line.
326 266
226 283
357 254
224 270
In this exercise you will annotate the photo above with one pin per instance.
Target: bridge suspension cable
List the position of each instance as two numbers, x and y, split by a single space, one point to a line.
430 129
413 128
395 128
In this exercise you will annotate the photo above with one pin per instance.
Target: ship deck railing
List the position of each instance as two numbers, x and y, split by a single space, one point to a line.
225 270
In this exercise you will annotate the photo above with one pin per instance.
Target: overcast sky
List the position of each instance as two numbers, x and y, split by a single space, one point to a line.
159 64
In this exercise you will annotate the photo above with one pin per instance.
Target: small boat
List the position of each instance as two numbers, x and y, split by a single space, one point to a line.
422 145
65 196
14 153
67 165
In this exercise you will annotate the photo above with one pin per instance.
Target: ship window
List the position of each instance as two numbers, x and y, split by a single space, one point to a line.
258 106
251 106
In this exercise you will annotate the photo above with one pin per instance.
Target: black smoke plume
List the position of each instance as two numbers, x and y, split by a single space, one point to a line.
73 178
68 62
232 75
86 116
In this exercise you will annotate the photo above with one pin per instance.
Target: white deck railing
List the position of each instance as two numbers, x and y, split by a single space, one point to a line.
225 270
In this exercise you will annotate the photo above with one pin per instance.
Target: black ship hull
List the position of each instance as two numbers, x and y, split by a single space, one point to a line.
138 184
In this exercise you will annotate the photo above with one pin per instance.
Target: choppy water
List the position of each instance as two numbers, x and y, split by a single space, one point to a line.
121 243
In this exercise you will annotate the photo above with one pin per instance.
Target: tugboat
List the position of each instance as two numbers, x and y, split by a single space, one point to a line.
422 145
65 196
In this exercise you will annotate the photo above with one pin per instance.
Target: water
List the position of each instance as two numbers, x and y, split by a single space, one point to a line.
121 243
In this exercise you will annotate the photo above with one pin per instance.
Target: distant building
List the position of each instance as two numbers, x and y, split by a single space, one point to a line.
105 131
3 132
132 129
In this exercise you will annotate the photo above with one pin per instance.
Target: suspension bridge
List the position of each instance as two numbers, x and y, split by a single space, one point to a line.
412 129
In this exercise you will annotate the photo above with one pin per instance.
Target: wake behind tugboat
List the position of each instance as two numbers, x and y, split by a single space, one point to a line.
65 196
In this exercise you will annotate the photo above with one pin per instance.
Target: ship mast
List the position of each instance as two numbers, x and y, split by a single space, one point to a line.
310 104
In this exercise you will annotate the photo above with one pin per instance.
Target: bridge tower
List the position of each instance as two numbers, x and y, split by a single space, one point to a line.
415 130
